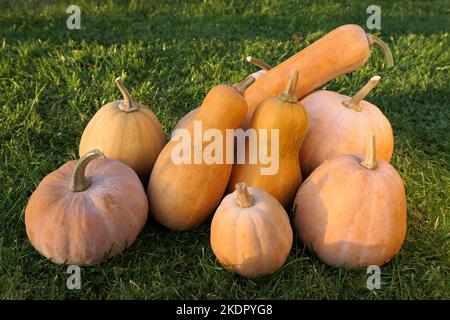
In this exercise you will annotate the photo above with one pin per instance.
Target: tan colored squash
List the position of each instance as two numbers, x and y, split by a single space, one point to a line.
285 114
338 124
352 210
250 232
182 195
126 131
84 214
183 122
341 51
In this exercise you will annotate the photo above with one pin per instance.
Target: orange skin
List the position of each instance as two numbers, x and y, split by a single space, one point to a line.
85 228
183 195
341 51
335 129
352 216
251 241
291 119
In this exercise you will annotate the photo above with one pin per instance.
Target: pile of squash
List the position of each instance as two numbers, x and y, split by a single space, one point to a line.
350 209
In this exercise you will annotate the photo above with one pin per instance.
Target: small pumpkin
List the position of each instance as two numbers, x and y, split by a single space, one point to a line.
182 123
86 211
338 124
285 114
250 232
352 210
126 131
341 51
183 194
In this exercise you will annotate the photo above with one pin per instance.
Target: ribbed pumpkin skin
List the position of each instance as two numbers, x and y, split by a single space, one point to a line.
341 51
135 138
183 195
352 216
335 129
251 241
87 227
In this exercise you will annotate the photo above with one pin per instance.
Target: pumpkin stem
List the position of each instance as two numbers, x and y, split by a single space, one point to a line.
289 94
243 197
383 46
79 181
370 160
259 63
244 84
354 102
127 104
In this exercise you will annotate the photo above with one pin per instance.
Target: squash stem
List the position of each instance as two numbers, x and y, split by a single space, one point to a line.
370 160
244 84
259 63
127 104
383 46
289 94
354 102
79 181
243 197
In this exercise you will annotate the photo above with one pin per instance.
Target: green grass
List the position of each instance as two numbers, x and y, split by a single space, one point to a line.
53 80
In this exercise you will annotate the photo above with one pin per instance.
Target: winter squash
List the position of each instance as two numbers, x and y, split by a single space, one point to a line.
182 123
286 115
184 188
341 51
338 124
250 232
352 210
86 211
126 131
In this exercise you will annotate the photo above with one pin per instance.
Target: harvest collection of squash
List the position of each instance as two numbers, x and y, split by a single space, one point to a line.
351 209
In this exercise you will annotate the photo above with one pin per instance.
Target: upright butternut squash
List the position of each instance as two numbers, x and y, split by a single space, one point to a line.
285 114
182 195
341 51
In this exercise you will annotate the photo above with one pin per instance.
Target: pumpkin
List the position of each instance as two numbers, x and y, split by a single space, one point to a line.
338 124
182 123
86 211
183 193
341 51
352 210
286 115
250 232
126 131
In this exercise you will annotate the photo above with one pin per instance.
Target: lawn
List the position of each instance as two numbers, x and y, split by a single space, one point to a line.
53 80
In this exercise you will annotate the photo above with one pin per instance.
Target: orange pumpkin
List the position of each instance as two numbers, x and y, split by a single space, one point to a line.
126 131
82 214
250 232
352 210
338 124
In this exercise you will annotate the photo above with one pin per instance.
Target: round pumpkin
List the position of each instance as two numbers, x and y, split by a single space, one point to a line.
250 232
83 214
126 131
338 124
352 210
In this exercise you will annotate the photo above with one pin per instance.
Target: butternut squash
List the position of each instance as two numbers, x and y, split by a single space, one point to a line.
341 51
183 122
183 194
284 115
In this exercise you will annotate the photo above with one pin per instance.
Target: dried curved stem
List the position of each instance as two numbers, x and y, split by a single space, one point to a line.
370 160
79 181
259 63
289 94
127 105
354 102
383 46
243 197
244 84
